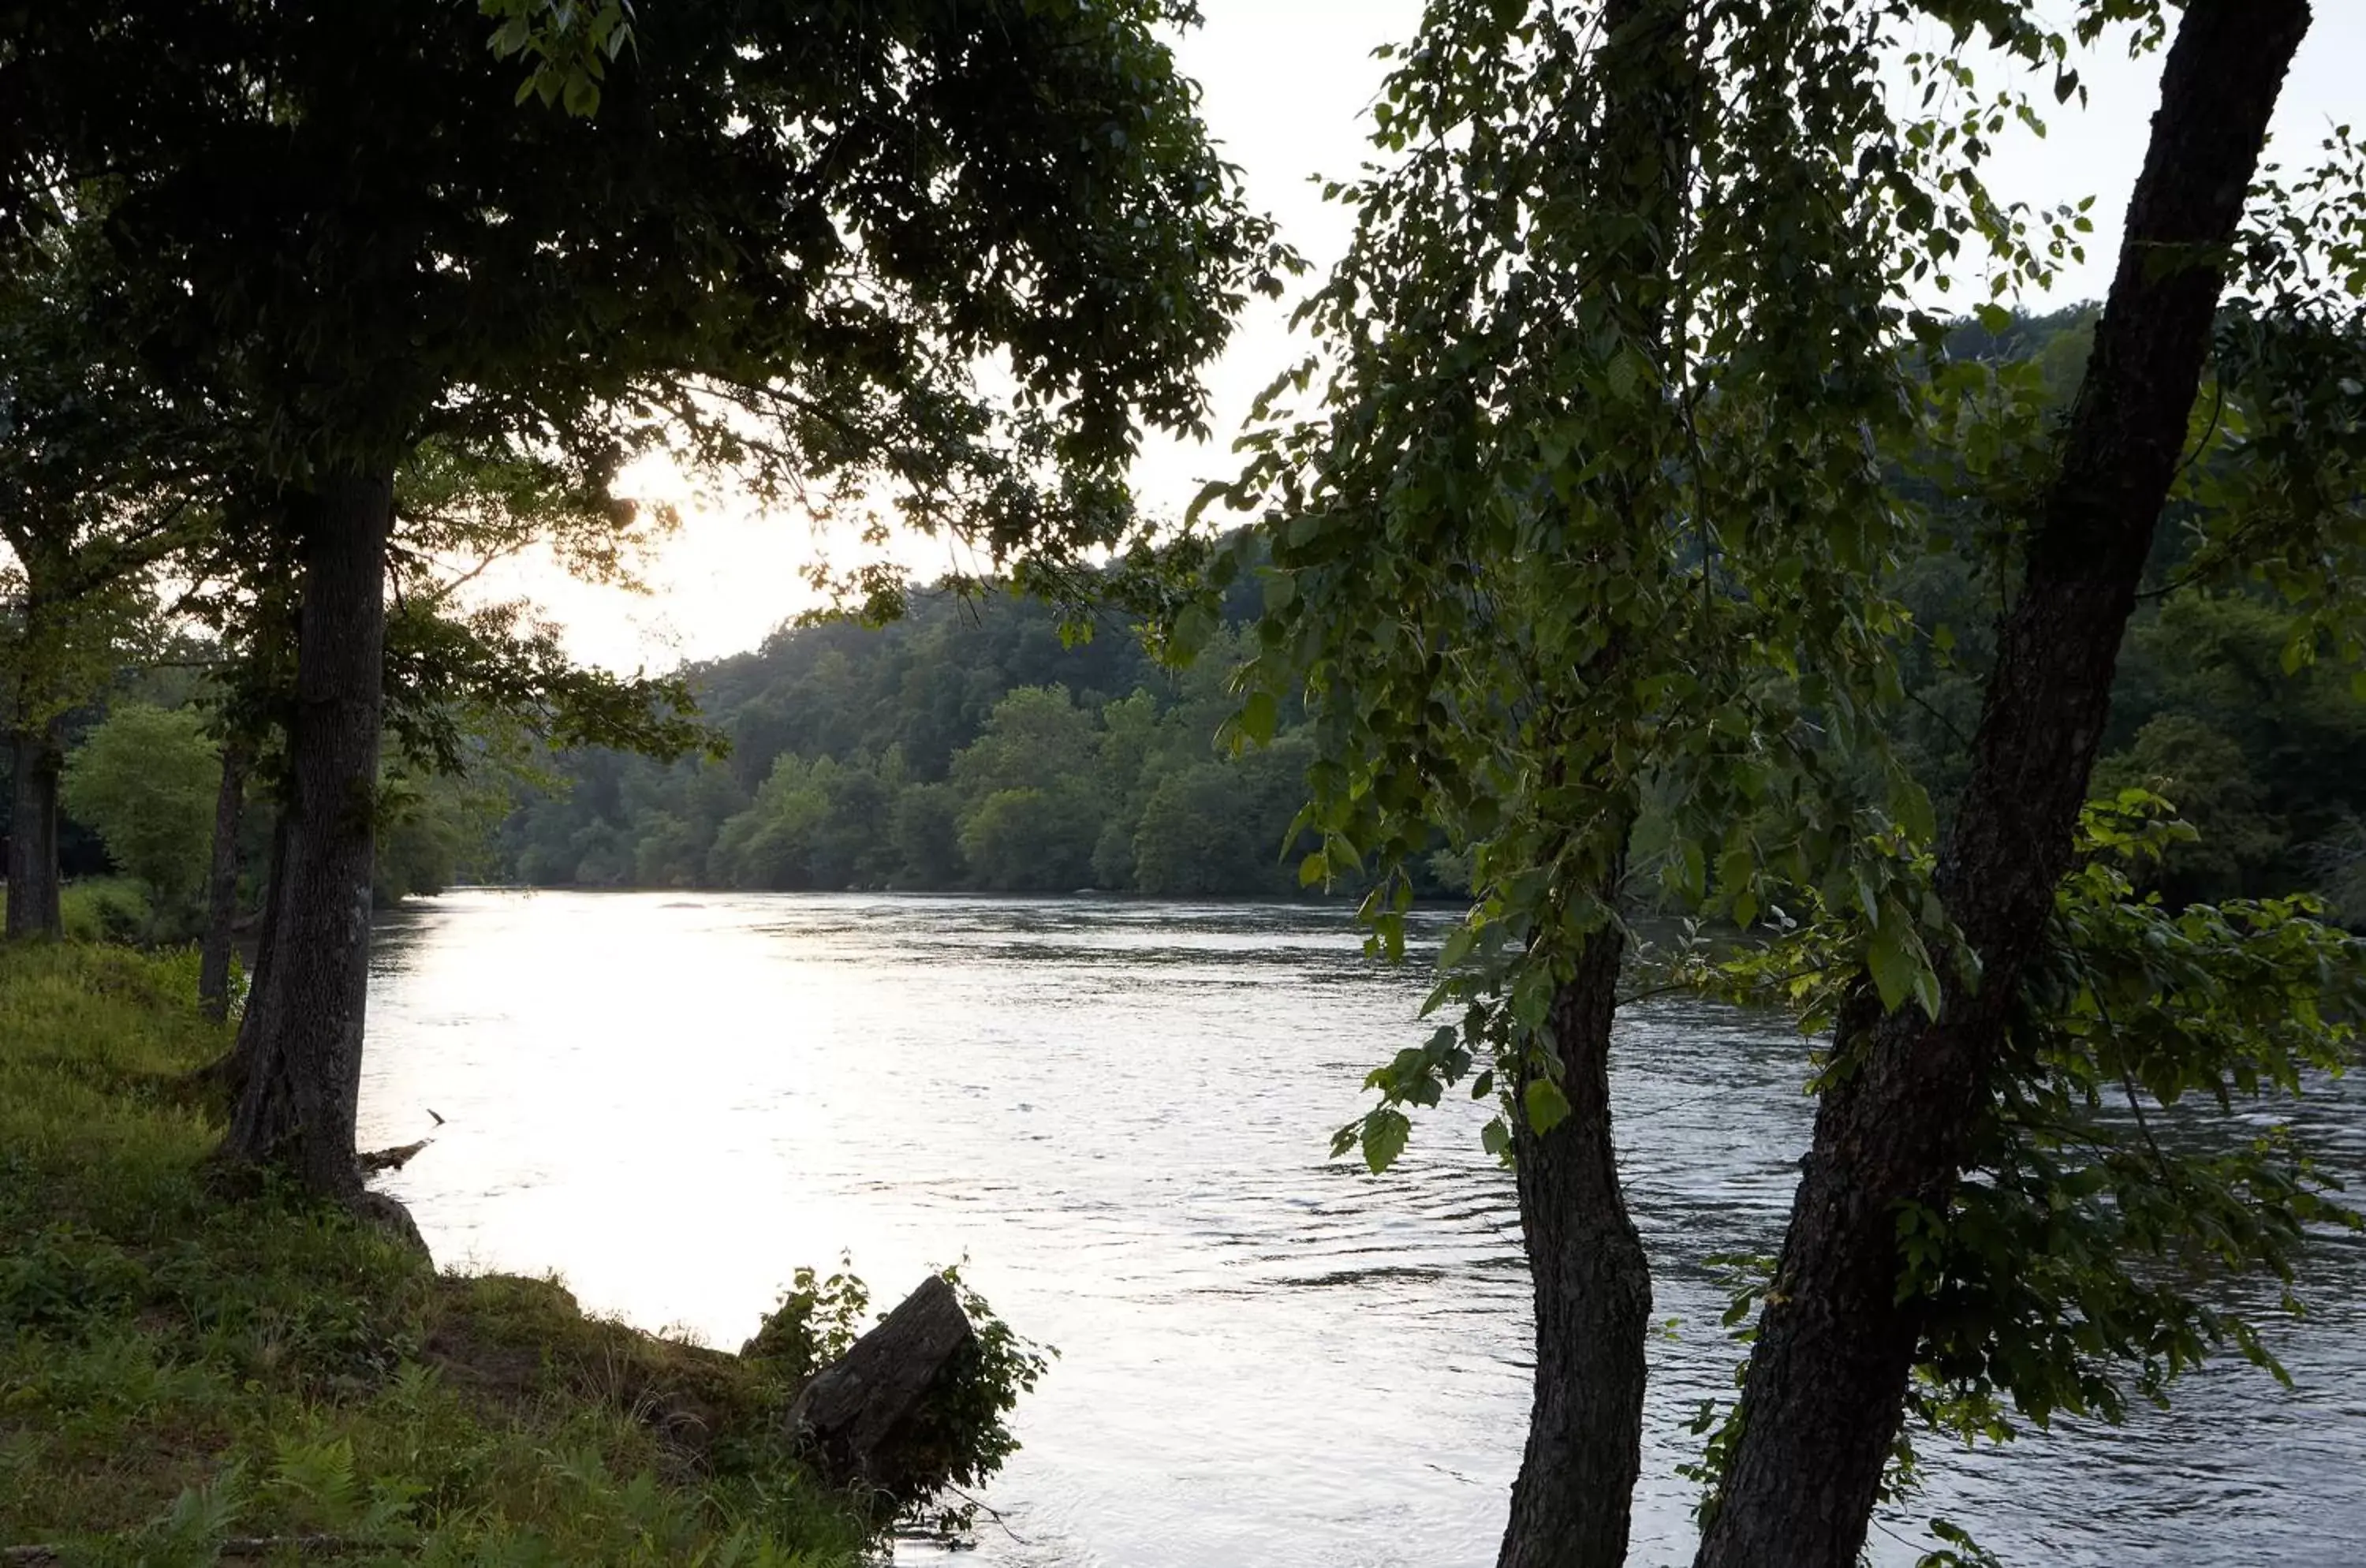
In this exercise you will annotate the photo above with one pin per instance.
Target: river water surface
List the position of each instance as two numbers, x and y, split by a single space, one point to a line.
1119 1112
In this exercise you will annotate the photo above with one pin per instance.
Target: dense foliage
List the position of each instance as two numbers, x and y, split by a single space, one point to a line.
2220 703
2084 1260
970 745
145 781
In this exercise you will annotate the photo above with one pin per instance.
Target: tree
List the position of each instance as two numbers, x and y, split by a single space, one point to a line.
792 230
770 844
1196 834
1839 1334
1024 839
1586 522
1033 806
96 491
1036 737
146 779
926 833
2206 777
223 882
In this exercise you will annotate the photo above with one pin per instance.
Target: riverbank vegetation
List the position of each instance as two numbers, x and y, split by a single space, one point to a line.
180 1368
967 745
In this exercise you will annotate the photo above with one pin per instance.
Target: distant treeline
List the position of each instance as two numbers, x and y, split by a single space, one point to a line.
966 746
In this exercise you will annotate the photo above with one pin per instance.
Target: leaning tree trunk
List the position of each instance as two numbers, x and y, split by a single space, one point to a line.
298 1106
222 883
1593 1286
1828 1377
38 755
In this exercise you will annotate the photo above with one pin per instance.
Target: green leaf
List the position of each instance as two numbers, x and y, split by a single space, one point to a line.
1385 1132
1194 625
1626 374
1258 716
1495 1138
1912 806
1895 958
1546 1107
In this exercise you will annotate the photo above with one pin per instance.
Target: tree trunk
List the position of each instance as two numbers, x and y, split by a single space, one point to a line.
869 1419
298 1106
222 883
1593 1284
1828 1376
230 1073
39 758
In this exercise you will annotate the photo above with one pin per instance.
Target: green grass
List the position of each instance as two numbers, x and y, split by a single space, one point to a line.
178 1367
100 908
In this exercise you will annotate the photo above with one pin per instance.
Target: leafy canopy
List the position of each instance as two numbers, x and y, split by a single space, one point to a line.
791 237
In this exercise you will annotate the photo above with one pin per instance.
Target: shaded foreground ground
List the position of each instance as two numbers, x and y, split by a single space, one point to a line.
180 1370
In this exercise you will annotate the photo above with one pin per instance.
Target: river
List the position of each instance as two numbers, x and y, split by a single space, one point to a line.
1119 1112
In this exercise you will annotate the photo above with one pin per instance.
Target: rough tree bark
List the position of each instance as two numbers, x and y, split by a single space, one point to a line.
1572 1501
298 1105
37 756
1828 1377
222 883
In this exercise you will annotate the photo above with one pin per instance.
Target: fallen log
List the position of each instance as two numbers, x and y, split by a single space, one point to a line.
869 1419
395 1158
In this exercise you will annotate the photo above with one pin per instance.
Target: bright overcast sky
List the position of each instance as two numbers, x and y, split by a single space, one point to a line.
1286 83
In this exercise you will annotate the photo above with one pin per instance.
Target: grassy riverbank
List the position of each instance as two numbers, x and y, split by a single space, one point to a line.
100 908
179 1369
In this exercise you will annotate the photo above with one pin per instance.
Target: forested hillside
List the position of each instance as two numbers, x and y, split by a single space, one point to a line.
970 746
966 746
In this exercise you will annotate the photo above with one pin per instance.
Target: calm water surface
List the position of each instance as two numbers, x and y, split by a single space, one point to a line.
1119 1112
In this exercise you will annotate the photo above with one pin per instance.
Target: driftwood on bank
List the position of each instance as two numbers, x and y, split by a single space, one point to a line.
867 1417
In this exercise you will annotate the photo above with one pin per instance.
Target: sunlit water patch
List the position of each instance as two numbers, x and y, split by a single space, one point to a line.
1119 1112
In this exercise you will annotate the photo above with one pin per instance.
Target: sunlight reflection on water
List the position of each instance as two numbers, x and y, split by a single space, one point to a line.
1119 1112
